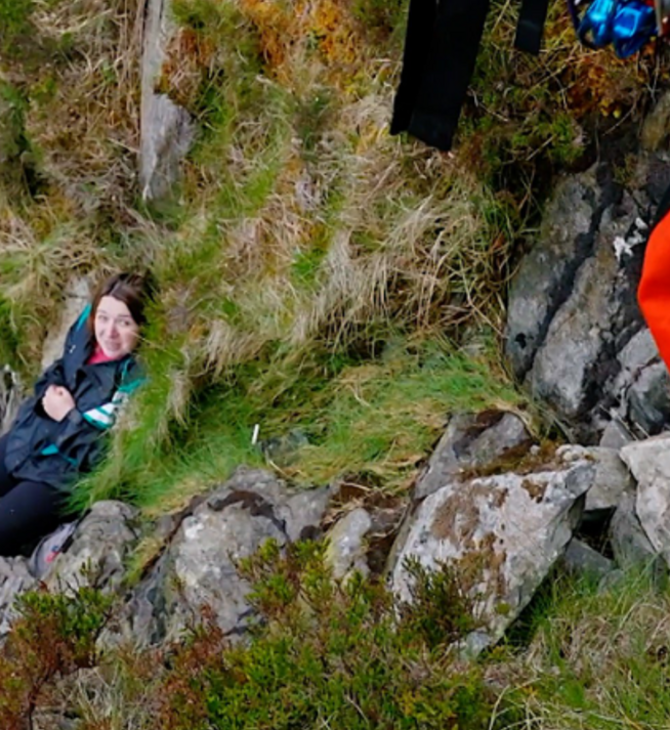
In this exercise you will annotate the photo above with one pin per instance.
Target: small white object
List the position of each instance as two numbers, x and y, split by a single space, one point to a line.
623 247
254 438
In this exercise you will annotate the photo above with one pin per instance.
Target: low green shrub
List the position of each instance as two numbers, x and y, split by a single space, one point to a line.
324 654
54 636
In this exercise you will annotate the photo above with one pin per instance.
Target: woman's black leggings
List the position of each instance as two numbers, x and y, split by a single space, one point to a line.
28 510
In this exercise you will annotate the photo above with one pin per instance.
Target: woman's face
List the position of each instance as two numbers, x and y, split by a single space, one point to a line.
116 331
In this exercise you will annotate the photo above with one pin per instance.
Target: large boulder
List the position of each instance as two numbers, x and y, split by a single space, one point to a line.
100 547
502 534
198 569
575 333
472 441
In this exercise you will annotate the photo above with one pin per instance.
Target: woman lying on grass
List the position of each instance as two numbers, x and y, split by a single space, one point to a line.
59 431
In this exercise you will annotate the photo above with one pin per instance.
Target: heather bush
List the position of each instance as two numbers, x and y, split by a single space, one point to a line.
326 654
53 637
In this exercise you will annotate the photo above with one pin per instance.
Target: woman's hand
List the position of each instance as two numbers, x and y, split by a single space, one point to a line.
57 402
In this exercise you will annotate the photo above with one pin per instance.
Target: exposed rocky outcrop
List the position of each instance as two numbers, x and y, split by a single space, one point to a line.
198 567
502 533
575 334
167 130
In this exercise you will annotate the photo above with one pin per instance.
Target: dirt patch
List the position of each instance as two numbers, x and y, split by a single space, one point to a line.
535 489
458 516
519 460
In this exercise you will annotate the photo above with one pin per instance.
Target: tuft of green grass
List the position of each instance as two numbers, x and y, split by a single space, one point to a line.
598 659
371 415
14 23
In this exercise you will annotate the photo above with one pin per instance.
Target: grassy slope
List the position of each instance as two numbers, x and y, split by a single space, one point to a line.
315 273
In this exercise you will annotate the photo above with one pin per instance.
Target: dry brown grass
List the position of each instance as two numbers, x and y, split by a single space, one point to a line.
598 662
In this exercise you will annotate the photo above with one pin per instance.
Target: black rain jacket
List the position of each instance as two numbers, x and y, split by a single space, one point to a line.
40 449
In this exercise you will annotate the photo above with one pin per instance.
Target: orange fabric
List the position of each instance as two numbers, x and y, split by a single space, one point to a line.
653 294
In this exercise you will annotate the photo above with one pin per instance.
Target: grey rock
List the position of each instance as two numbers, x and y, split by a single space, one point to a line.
615 435
473 645
15 578
611 477
656 126
637 354
611 580
10 397
199 567
544 277
472 441
167 130
346 544
575 333
644 382
582 559
503 533
76 296
649 399
630 544
572 364
649 461
284 449
97 555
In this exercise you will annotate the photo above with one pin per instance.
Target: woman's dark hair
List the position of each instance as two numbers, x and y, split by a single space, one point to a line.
134 290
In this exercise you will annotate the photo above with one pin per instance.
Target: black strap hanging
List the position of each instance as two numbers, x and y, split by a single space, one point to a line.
530 25
440 54
441 48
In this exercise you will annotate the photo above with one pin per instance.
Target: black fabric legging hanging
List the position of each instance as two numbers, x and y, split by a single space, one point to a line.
441 47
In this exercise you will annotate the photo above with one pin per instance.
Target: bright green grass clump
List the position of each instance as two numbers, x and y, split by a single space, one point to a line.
373 420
